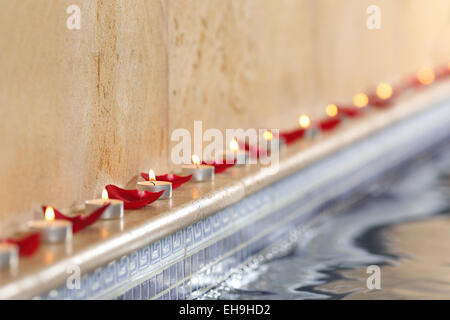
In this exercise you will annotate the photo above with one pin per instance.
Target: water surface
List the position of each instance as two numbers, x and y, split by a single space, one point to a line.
402 225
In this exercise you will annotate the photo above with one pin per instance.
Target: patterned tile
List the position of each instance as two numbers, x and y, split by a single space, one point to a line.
152 287
173 294
180 292
166 249
144 258
187 267
137 293
108 275
198 231
207 228
122 269
145 290
134 263
156 252
95 282
177 241
159 283
179 271
129 295
173 275
166 279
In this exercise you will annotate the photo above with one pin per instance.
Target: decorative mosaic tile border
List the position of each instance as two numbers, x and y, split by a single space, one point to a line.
190 261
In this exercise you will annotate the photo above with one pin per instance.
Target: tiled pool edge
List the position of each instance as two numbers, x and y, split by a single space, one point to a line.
171 267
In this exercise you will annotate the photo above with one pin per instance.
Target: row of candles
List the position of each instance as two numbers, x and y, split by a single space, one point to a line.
54 231
56 227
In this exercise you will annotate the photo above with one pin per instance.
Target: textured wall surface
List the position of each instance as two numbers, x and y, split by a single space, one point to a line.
79 108
83 108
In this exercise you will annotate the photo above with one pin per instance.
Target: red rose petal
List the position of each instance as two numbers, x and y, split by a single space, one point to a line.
376 101
177 181
220 167
351 112
132 199
329 123
80 222
443 72
28 245
292 136
255 152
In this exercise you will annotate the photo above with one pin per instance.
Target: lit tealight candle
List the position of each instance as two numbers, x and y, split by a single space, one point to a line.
267 139
304 121
425 76
361 100
235 154
200 172
156 186
9 255
51 230
384 91
268 135
114 211
332 110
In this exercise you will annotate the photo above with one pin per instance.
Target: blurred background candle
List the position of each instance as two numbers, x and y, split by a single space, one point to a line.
331 110
156 186
9 255
332 120
304 122
384 91
425 76
383 95
235 154
200 172
268 139
51 230
114 211
361 100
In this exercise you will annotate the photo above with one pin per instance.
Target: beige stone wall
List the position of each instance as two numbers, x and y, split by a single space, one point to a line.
79 109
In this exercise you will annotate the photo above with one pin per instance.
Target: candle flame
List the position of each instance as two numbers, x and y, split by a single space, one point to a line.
105 195
425 76
195 159
104 233
151 175
49 214
304 121
234 145
331 110
361 100
49 257
268 135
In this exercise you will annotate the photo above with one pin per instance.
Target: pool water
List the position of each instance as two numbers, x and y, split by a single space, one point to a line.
402 225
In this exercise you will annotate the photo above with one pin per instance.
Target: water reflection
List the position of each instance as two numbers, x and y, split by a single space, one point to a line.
421 272
400 226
